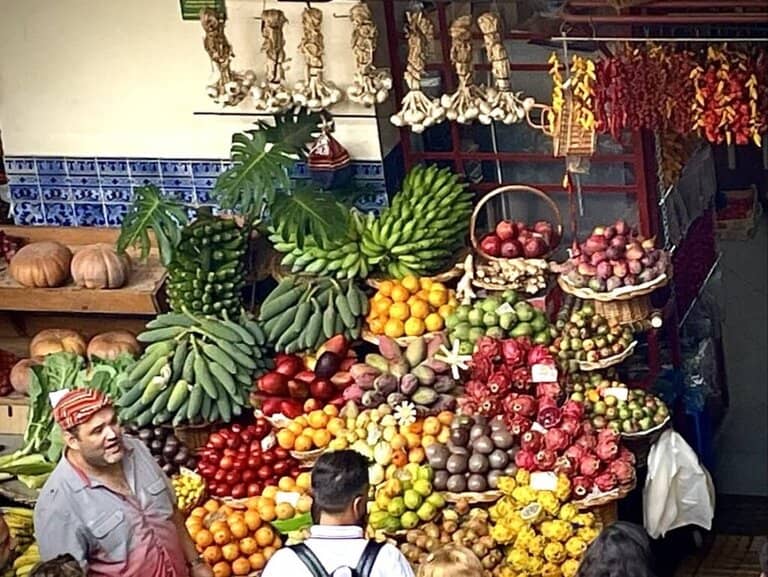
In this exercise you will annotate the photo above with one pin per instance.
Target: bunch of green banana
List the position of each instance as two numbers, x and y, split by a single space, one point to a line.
195 369
341 259
207 272
20 525
24 563
300 315
426 224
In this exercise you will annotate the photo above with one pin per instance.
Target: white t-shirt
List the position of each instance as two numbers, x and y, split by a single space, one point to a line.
334 547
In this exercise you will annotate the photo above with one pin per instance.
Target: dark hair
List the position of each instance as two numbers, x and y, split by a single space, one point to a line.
61 566
337 479
621 550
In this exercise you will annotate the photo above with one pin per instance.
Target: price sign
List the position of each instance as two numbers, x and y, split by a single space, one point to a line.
544 373
621 393
543 481
504 309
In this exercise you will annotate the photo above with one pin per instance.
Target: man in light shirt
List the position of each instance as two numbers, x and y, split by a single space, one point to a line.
336 546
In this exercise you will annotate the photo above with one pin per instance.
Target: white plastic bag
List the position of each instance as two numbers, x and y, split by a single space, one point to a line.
678 490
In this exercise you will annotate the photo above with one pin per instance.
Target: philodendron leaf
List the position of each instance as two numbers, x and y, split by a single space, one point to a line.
308 212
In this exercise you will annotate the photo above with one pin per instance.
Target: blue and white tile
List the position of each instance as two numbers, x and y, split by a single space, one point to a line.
27 179
55 193
206 168
369 170
112 166
115 213
55 180
21 192
175 181
203 182
59 214
81 166
51 165
204 195
115 180
185 195
173 168
226 165
28 213
116 193
20 165
85 180
89 214
146 180
144 167
86 193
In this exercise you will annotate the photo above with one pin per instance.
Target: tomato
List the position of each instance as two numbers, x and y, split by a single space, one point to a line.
212 487
246 437
249 475
233 442
227 463
255 461
254 489
233 477
295 472
220 475
268 458
264 472
236 428
239 491
230 452
222 491
281 468
256 447
280 453
216 441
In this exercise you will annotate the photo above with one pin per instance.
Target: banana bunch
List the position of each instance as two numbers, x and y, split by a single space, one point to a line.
189 488
301 315
20 525
426 224
340 259
30 557
207 272
195 369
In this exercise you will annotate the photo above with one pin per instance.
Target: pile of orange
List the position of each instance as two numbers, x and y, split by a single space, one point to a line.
410 307
311 431
233 539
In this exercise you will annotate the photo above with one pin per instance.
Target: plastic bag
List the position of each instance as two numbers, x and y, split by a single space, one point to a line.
678 490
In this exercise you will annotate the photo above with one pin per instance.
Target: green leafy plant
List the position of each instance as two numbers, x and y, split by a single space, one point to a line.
309 212
150 211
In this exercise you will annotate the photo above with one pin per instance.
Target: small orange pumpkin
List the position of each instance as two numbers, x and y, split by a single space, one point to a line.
41 264
112 344
20 374
51 341
98 266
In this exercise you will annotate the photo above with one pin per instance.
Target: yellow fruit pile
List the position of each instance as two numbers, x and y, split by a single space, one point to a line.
410 307
189 488
313 431
545 535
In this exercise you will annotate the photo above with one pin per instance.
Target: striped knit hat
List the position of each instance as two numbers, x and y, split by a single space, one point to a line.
79 405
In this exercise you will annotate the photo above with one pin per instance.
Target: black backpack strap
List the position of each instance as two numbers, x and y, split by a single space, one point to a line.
368 558
309 559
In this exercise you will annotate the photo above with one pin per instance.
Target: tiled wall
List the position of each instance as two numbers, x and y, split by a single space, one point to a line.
55 191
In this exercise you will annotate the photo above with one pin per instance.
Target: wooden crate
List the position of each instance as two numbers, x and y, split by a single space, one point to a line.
14 412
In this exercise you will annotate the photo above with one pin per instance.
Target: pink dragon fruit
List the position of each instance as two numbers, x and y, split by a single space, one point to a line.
581 486
623 471
499 384
532 441
608 435
548 390
606 482
520 377
513 351
549 414
588 429
352 393
524 405
573 410
575 454
607 450
571 426
517 424
525 460
626 455
545 460
539 355
488 347
557 440
564 466
589 465
587 441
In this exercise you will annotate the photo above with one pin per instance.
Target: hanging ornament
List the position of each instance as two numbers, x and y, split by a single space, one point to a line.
463 105
230 88
272 96
371 85
314 92
328 161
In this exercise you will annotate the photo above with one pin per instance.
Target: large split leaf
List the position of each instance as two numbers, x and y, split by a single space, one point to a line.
309 212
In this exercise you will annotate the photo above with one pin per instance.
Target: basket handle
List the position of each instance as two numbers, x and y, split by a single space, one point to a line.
512 188
545 123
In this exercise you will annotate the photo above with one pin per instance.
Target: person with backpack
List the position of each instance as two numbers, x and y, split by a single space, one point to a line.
336 546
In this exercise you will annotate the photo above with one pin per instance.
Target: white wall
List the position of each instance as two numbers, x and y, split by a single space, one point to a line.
124 78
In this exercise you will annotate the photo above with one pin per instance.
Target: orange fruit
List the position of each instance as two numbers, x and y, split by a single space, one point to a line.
331 410
294 428
252 503
303 443
431 426
400 294
302 420
425 283
428 440
381 307
268 552
239 529
218 525
446 310
410 283
438 298
221 569
304 504
257 561
398 442
230 551
414 327
321 438
211 505
203 538
252 520
286 484
317 419
394 328
248 546
423 294
304 481
445 417
285 438
222 536
399 311
284 511
267 513
335 425
278 542
226 511
385 287
212 554
198 512
376 326
434 322
420 309
269 493
264 536
241 566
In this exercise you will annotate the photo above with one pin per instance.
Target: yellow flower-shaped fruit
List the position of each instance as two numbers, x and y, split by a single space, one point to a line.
584 520
551 570
507 485
524 495
518 559
536 545
570 568
548 500
535 565
587 534
568 511
523 477
554 552
575 547
502 533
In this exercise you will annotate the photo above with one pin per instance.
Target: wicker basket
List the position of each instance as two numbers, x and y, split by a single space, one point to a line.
640 443
473 498
605 507
626 312
193 436
608 361
515 189
606 514
569 138
307 459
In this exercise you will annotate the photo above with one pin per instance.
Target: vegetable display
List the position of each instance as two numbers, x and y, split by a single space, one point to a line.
169 452
98 266
402 502
41 265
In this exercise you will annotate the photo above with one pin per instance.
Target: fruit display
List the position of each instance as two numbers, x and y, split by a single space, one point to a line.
312 431
233 539
409 307
611 404
195 369
587 336
50 341
26 554
519 240
300 314
207 272
112 344
405 500
543 532
462 525
189 488
41 265
423 229
99 266
612 257
409 379
7 363
169 452
478 453
239 461
21 374
9 246
524 275
497 316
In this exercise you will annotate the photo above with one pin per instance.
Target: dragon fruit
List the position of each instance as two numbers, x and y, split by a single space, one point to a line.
548 390
549 414
532 441
488 347
575 453
517 424
523 405
581 486
573 410
564 466
499 384
608 435
626 455
586 440
520 378
557 440
607 450
545 460
571 426
623 471
589 465
525 460
514 351
606 482
539 355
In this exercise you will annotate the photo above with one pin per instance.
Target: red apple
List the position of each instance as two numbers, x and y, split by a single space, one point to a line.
491 245
506 230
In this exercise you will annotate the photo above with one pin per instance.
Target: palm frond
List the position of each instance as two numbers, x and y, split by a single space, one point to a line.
150 211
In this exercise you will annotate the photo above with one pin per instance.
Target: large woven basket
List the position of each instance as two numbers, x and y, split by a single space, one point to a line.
193 436
640 443
569 138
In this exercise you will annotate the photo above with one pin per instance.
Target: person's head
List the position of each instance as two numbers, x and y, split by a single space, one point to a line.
61 566
451 561
90 426
340 487
5 543
620 550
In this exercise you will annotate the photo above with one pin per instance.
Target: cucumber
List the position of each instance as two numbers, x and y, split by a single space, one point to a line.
217 355
161 401
179 394
273 307
196 397
224 408
203 376
225 379
162 334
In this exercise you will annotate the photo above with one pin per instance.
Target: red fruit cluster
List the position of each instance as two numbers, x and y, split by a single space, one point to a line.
7 361
9 245
518 240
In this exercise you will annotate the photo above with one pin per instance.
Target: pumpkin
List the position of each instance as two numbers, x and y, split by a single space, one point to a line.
21 374
52 341
98 266
112 344
41 264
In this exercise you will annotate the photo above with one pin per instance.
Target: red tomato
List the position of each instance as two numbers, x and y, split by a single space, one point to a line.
233 477
222 491
249 475
268 458
255 461
216 441
280 453
227 463
239 491
281 468
220 475
264 472
236 428
254 489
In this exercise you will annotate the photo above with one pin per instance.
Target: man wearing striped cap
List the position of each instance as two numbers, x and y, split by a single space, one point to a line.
108 503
